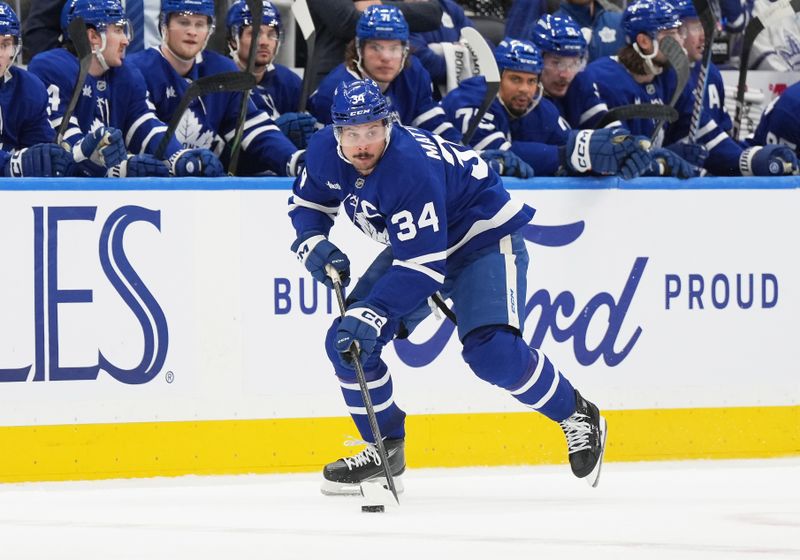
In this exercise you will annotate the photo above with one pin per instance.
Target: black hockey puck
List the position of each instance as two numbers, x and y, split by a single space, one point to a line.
373 509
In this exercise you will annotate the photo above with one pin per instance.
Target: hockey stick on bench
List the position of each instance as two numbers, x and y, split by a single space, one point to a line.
677 59
638 111
772 16
80 40
483 58
256 8
708 20
362 384
225 82
303 18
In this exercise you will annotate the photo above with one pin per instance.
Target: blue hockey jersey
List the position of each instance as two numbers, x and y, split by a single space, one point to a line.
453 20
780 123
117 99
278 92
210 120
535 136
453 205
410 95
23 112
602 28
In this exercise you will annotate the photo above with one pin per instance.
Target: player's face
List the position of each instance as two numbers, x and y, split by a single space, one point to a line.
8 48
116 42
363 145
693 38
382 59
558 73
517 90
267 45
186 34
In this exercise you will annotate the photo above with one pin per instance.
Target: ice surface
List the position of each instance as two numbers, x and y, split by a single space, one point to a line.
676 510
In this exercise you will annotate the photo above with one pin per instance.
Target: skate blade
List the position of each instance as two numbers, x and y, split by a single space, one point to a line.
593 477
330 488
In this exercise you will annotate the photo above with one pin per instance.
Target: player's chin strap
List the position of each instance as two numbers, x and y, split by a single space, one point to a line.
648 58
234 50
7 71
98 52
531 107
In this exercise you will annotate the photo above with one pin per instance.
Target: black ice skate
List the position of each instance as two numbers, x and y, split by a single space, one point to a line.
586 440
344 477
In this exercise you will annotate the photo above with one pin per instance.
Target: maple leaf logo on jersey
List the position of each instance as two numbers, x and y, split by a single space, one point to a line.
191 133
170 92
791 54
87 91
369 228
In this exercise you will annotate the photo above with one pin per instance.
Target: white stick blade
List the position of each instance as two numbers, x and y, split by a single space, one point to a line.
376 494
482 53
303 17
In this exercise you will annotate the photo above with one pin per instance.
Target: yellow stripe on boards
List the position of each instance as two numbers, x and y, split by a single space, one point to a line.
97 451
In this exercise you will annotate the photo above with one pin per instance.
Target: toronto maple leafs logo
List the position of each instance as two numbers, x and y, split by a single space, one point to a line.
87 90
191 133
791 54
365 225
170 92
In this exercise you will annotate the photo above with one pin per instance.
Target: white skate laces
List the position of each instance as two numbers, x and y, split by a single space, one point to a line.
368 455
577 428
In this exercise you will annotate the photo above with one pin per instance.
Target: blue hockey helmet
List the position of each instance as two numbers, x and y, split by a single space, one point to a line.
239 17
95 13
382 22
648 17
559 35
189 7
685 8
9 22
358 102
519 56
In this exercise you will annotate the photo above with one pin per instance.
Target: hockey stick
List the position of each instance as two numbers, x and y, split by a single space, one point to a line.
303 17
638 111
773 14
80 40
225 82
709 22
483 60
256 8
362 383
677 59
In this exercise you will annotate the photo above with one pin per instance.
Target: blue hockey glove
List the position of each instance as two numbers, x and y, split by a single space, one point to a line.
507 163
142 165
297 127
41 160
198 162
360 326
316 252
103 147
667 163
695 154
608 151
773 159
296 163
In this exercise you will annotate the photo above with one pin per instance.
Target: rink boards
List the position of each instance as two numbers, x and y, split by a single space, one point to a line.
166 329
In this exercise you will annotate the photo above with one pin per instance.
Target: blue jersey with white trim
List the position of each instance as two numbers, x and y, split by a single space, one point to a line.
23 111
278 92
780 123
713 131
535 136
453 205
410 95
605 84
117 99
210 120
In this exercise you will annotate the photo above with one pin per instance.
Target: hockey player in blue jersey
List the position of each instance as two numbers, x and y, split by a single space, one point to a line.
380 52
602 27
210 121
451 228
780 123
563 50
26 137
278 89
522 121
635 76
725 156
112 117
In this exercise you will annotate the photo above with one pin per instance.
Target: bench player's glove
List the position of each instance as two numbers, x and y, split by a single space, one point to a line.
198 162
667 163
608 151
507 163
103 147
316 253
773 159
141 165
297 127
359 328
41 160
695 154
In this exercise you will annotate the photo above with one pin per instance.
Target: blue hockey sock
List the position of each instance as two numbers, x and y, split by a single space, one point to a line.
544 389
391 419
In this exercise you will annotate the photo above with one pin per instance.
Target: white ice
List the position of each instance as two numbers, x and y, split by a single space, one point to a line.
676 510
